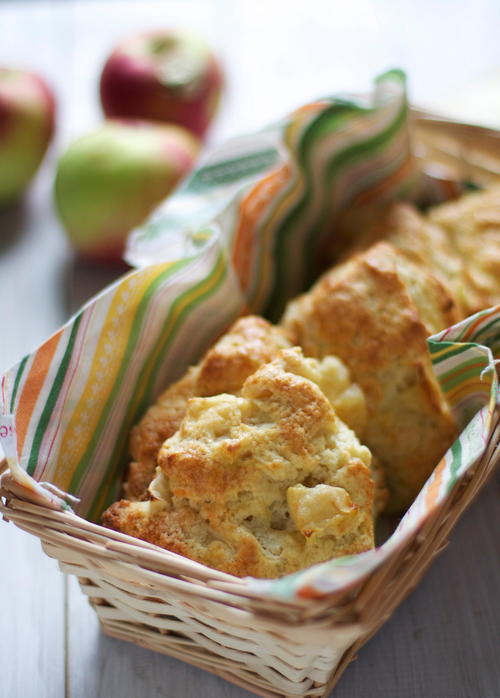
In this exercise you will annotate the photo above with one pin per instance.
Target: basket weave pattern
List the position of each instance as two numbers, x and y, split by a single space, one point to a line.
170 604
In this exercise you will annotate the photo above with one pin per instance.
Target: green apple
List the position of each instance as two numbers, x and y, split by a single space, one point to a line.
27 109
110 180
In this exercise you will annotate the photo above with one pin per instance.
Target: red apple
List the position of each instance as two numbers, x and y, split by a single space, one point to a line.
163 76
110 180
27 110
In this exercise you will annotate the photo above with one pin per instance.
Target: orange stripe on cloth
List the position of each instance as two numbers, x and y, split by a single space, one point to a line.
462 391
435 485
460 372
309 592
252 207
387 183
32 386
312 106
472 327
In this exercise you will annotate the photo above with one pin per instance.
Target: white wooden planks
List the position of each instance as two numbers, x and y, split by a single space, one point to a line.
31 618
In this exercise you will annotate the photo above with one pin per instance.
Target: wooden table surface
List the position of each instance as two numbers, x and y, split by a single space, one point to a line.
444 641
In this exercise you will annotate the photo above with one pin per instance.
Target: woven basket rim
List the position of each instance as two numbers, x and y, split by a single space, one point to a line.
149 556
341 624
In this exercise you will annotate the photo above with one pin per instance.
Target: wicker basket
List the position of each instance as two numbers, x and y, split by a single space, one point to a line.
167 603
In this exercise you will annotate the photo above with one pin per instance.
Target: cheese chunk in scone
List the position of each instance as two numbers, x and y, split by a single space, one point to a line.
375 312
260 484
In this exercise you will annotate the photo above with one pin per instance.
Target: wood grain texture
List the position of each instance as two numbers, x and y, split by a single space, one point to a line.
32 652
444 640
103 666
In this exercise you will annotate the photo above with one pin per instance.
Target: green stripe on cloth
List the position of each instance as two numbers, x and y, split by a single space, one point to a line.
131 343
216 278
442 351
471 368
17 380
353 154
327 121
456 462
459 378
488 334
142 390
231 170
53 395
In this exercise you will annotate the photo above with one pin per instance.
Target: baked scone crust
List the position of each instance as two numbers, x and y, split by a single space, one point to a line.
420 241
160 421
375 312
260 484
250 342
472 224
458 242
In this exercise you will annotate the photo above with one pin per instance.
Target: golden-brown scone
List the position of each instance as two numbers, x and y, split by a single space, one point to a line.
426 262
261 484
459 242
472 224
250 342
381 494
421 241
375 312
160 421
348 400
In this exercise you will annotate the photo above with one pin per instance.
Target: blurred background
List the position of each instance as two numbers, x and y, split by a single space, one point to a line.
276 55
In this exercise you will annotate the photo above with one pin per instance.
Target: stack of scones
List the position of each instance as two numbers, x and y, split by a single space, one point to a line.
281 447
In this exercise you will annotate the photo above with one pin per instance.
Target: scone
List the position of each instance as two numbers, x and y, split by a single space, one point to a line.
261 484
472 224
375 312
422 242
250 342
459 242
348 400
